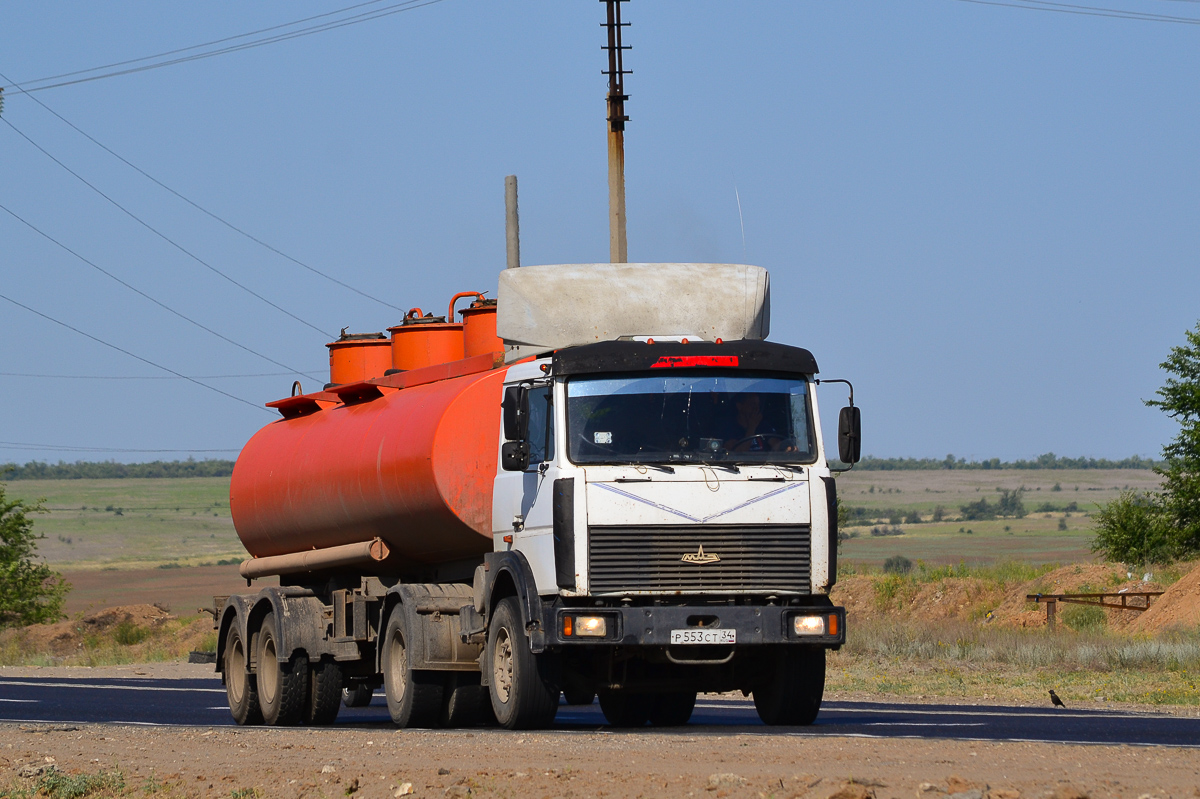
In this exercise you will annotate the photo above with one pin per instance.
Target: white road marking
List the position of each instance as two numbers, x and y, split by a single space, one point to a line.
111 687
746 705
923 724
20 700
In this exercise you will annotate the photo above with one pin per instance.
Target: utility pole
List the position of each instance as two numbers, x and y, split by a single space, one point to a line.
512 225
618 247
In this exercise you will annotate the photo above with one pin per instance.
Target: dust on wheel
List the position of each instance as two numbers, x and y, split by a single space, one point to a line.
414 697
282 687
240 684
521 695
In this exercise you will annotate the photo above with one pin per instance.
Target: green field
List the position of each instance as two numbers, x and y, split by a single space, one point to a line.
135 523
130 522
1035 538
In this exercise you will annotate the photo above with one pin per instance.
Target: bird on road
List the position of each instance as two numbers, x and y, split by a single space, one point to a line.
1054 700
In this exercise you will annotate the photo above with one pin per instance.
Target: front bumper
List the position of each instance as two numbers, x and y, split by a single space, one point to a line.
653 625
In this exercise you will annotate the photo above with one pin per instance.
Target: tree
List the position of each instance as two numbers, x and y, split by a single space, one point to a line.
30 592
1179 398
1164 526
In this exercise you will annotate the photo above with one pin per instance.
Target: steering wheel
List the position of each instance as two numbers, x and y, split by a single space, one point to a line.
765 438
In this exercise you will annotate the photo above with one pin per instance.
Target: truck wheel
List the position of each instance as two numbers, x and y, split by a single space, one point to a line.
357 695
672 709
789 689
521 697
240 684
624 709
325 698
464 699
414 698
282 687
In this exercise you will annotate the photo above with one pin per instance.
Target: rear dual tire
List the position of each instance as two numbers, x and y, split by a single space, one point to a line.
283 687
414 697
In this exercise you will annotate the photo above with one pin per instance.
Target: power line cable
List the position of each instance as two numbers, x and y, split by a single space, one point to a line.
141 293
52 447
203 44
200 208
148 377
1087 11
130 354
407 5
162 235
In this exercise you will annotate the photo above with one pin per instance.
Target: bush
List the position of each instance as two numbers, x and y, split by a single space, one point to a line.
127 633
897 564
29 592
1084 618
1132 529
913 518
978 511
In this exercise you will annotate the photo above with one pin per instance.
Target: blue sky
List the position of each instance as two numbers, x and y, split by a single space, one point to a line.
984 216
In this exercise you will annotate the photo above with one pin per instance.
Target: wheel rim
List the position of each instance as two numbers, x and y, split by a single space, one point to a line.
268 670
502 665
397 665
235 671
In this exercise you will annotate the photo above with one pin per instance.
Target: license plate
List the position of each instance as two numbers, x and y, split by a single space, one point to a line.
701 636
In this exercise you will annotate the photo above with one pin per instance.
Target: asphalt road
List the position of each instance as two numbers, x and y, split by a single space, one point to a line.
201 702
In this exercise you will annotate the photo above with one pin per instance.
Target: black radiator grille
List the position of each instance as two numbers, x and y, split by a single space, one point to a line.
765 559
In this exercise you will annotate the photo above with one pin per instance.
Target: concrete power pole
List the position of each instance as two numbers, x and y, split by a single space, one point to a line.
512 224
618 246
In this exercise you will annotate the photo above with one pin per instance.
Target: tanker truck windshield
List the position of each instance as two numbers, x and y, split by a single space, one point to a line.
690 418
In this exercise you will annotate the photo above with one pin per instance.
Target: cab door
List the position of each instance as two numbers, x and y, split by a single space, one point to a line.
523 502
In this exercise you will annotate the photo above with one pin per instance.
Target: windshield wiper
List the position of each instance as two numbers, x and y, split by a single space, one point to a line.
729 467
658 466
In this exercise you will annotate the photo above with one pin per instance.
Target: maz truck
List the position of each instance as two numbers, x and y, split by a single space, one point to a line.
605 482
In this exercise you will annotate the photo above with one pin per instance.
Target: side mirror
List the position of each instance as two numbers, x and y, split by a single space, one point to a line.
849 435
516 413
514 456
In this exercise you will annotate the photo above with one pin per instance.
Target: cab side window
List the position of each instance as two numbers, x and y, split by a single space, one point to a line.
541 424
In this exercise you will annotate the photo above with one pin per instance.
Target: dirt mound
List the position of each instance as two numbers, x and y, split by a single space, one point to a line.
1179 607
1015 611
874 596
118 634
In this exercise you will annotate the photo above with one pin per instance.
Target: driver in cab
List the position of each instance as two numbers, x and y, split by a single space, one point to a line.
750 431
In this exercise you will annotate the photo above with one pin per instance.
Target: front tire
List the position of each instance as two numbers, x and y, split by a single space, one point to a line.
414 697
790 687
624 709
672 709
521 695
240 685
282 687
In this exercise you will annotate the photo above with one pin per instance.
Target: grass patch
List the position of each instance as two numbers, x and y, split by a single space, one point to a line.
963 659
59 785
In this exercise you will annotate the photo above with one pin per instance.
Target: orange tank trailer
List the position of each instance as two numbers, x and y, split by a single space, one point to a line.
413 467
359 357
421 341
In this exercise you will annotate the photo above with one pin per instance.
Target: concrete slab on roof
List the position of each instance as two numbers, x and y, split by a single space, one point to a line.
549 307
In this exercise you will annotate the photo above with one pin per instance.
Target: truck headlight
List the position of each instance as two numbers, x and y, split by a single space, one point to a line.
584 626
808 625
591 626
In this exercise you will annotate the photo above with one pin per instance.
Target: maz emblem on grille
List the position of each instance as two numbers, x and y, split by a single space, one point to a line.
700 557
